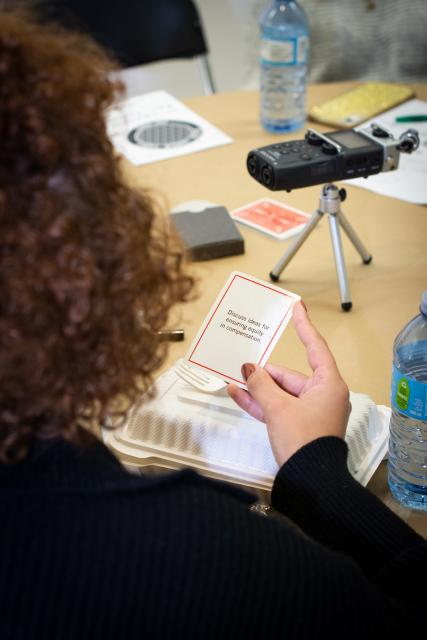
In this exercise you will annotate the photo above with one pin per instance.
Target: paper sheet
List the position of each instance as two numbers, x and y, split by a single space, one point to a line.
409 181
156 126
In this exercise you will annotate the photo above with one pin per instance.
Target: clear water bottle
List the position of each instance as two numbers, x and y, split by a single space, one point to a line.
284 58
407 459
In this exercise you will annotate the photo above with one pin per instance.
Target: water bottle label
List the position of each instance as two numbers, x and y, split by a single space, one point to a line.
284 52
409 396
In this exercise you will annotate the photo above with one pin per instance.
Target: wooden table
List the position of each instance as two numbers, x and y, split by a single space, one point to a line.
385 294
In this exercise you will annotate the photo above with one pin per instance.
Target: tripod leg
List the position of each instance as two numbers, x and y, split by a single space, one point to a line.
354 238
299 240
334 228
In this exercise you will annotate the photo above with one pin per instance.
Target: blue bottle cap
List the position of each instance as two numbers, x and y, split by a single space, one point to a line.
423 305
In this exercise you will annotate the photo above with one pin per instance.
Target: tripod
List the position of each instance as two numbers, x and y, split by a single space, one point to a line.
330 203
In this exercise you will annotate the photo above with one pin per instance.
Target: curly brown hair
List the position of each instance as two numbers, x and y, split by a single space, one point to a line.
87 277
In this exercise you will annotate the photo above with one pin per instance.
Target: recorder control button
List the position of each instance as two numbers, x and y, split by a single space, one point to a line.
313 139
379 133
305 156
329 149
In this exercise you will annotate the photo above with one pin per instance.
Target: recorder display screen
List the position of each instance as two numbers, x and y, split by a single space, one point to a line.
349 139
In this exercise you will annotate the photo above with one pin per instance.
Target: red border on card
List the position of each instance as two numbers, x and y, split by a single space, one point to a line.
199 364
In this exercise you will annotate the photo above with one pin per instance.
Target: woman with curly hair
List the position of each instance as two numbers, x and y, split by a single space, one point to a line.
87 278
83 271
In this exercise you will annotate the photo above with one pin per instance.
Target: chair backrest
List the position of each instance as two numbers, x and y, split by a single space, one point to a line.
137 31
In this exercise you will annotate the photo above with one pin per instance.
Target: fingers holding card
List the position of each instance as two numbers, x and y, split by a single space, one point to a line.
244 324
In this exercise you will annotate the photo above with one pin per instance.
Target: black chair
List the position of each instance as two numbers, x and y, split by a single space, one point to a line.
138 32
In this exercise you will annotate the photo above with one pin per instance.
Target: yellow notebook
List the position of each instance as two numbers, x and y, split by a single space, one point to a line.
357 105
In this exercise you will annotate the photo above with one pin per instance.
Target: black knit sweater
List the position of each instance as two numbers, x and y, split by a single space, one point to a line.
90 551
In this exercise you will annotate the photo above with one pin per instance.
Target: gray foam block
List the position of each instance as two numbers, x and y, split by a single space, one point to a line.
209 234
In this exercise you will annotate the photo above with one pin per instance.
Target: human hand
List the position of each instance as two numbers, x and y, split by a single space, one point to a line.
297 408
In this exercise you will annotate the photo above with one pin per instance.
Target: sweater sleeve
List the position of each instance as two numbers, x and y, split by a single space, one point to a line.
316 490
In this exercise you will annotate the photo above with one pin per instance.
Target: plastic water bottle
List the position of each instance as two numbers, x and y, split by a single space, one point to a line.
284 57
407 459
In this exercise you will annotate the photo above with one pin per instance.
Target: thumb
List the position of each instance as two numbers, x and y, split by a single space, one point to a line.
263 389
